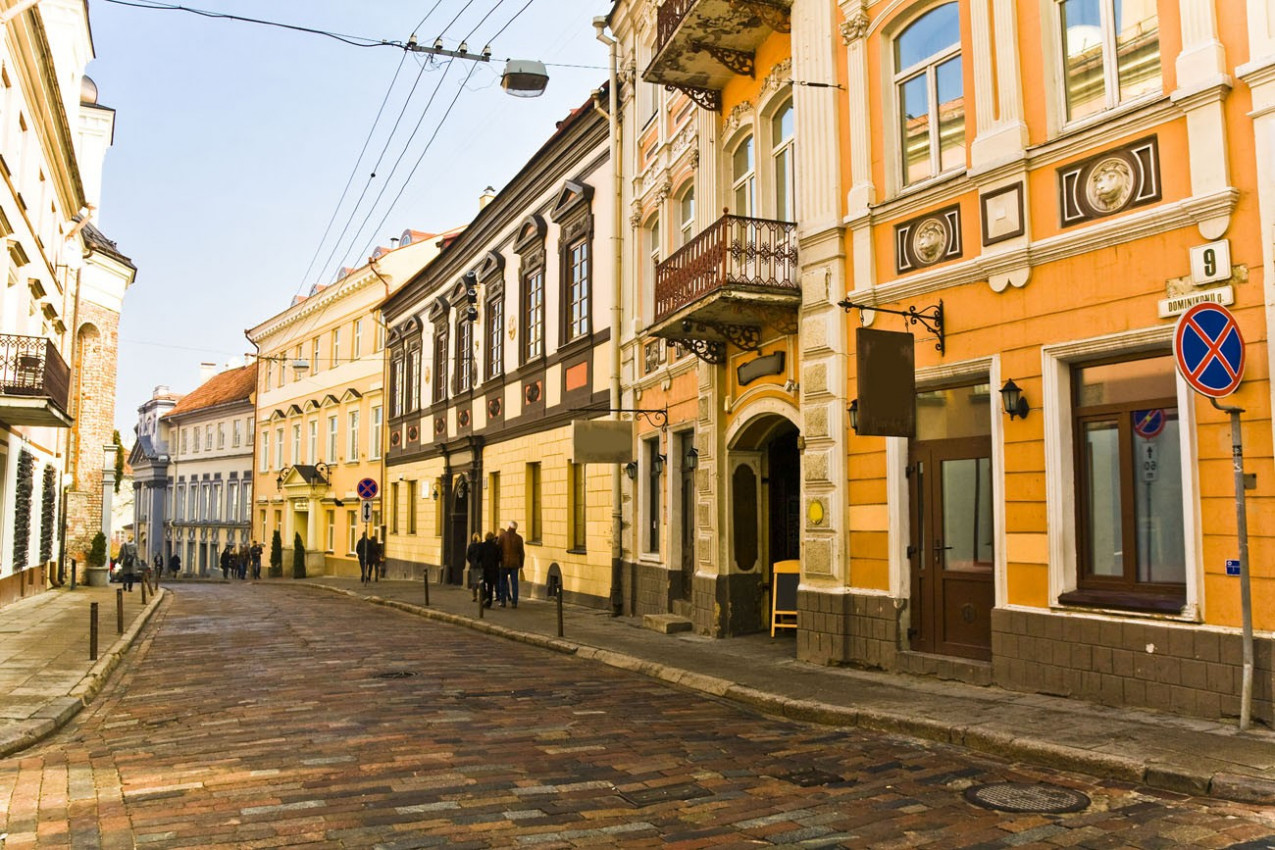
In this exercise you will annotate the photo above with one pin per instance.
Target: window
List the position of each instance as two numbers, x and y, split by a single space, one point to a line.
380 336
296 443
394 508
314 356
578 286
464 353
931 94
352 437
493 499
743 178
221 435
440 364
495 337
653 252
654 469
192 502
208 437
352 531
374 441
264 530
246 502
265 383
250 429
533 313
411 507
313 442
214 503
398 380
283 368
183 450
264 463
278 448
577 494
533 502
782 158
1111 51
232 502
414 378
686 216
181 502
336 346
203 501
357 350
332 439
1130 538
237 436
330 537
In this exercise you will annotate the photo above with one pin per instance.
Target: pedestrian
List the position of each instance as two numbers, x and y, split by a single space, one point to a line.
241 561
511 560
254 554
374 563
474 555
489 557
226 555
360 549
159 565
128 564
175 563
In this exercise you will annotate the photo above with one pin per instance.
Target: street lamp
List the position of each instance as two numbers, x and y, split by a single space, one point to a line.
524 78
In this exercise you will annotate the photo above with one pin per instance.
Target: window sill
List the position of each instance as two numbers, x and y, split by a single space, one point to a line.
1125 601
577 551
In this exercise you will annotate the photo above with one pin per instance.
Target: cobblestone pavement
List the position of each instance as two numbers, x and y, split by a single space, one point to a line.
255 716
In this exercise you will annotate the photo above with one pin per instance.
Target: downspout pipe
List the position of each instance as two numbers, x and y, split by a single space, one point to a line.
617 310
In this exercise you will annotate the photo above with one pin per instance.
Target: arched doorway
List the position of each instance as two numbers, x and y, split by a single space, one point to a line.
764 494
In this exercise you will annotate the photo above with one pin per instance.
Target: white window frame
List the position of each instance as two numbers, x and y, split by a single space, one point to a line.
296 443
1057 362
787 148
929 67
352 436
374 443
334 435
357 351
312 440
686 223
278 449
747 180
1057 46
336 347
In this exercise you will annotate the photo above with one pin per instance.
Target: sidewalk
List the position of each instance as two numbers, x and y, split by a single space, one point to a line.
1185 755
46 677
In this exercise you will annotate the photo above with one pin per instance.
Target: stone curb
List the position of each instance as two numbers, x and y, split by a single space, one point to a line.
1227 786
58 711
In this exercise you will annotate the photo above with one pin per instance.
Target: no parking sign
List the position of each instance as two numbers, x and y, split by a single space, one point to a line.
1209 350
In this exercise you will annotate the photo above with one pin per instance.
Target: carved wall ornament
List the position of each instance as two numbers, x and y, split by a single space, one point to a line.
855 27
932 238
694 159
779 76
737 116
665 187
1110 182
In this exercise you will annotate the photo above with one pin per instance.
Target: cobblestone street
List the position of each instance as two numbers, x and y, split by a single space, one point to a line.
269 716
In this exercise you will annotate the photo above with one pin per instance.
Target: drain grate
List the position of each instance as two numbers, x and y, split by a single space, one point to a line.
1026 797
394 674
650 796
809 777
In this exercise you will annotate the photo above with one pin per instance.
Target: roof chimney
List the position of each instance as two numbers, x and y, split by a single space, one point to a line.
206 372
488 195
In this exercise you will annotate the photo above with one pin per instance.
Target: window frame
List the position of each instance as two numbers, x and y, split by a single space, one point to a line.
334 439
578 508
376 432
783 147
929 68
745 180
1110 68
352 418
495 318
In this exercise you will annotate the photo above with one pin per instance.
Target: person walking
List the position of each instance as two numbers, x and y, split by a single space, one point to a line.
254 553
511 560
489 559
225 563
128 564
474 557
241 561
175 564
374 565
360 549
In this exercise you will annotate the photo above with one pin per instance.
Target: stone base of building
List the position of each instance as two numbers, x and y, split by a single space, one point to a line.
1182 669
27 582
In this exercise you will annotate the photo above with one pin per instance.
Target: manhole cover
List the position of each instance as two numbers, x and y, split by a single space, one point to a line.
1025 797
809 777
651 796
394 674
1267 843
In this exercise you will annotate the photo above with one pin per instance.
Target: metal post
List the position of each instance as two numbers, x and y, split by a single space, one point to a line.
92 631
73 570
145 586
482 604
119 611
1241 531
559 596
426 587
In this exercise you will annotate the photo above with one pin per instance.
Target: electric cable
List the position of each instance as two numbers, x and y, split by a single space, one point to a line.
352 40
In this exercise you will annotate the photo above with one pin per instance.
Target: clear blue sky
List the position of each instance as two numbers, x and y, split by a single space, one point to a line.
234 141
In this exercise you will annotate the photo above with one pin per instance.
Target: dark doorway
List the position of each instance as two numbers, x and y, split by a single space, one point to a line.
782 463
458 531
686 514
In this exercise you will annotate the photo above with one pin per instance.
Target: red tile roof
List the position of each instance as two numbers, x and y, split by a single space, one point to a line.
229 386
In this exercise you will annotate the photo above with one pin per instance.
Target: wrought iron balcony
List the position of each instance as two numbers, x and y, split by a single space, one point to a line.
737 276
35 382
701 44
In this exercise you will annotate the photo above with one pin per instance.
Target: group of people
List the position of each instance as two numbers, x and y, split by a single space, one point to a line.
371 565
237 562
494 565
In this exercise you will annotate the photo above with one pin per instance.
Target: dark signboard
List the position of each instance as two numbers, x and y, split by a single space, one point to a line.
887 383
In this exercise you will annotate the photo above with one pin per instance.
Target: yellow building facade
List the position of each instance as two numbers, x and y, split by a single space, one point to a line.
1035 190
321 412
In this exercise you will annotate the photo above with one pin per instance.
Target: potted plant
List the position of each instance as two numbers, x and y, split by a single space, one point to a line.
276 555
96 573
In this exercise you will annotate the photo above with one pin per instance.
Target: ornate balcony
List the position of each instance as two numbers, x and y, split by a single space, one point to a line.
35 382
701 44
736 277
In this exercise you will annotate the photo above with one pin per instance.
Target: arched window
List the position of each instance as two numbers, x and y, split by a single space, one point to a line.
930 87
686 216
781 156
743 178
1112 53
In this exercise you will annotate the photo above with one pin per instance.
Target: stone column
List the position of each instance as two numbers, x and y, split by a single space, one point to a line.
1202 86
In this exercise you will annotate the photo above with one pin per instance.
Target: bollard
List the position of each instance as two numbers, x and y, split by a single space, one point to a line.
119 611
427 587
482 604
92 631
559 596
145 585
73 574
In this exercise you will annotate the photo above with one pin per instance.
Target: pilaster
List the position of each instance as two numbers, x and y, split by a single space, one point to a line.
1202 86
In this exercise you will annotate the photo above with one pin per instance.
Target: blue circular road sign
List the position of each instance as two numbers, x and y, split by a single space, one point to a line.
367 488
1209 350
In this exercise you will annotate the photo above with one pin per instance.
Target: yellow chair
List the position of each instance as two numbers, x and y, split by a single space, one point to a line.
783 602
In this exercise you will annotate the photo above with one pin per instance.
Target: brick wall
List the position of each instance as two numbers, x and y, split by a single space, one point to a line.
93 376
839 628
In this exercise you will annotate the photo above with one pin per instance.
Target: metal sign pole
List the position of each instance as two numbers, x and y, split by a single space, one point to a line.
1241 531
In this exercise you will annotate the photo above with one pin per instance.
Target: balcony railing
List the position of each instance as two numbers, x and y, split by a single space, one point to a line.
31 367
735 252
670 15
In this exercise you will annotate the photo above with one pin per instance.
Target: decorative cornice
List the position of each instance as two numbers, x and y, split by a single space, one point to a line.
855 26
779 76
737 115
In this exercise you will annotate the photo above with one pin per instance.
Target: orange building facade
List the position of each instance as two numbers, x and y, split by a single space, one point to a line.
1036 190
